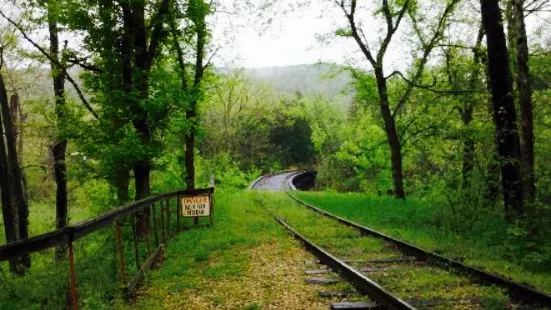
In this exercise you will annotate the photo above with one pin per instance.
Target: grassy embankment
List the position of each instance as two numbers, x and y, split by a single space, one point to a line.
416 285
484 242
45 284
42 218
245 261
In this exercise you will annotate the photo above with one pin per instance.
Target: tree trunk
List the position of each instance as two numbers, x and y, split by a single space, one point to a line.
508 143
59 147
141 179
525 99
18 123
468 160
469 145
14 171
142 167
191 114
392 135
121 183
190 152
8 211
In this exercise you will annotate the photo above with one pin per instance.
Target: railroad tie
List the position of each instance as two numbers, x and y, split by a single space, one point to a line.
369 261
332 294
322 281
355 305
318 271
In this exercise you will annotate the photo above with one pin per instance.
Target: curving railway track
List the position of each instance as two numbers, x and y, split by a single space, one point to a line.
388 275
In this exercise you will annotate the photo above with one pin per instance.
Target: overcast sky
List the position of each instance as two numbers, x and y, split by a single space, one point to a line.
291 38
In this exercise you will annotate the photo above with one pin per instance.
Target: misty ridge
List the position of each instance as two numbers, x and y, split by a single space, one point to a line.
321 79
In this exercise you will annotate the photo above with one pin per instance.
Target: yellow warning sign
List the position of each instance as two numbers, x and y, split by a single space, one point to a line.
194 206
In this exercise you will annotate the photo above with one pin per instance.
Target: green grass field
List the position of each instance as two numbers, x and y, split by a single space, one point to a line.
42 218
485 244
247 261
409 282
244 261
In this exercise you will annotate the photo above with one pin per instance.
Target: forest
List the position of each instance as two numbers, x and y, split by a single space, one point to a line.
445 103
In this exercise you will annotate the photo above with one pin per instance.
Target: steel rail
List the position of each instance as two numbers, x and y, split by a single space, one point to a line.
258 180
516 291
82 229
362 283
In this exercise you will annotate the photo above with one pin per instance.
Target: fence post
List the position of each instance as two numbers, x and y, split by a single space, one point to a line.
211 208
135 238
72 272
120 251
162 221
178 207
155 225
211 183
167 206
147 243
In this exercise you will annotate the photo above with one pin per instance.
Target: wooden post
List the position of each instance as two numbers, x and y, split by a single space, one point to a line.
147 243
167 206
72 274
178 210
162 221
120 251
136 249
155 226
211 208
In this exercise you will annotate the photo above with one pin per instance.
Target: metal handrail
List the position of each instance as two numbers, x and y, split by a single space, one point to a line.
82 229
69 234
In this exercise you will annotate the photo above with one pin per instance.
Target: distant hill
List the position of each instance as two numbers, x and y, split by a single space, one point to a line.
310 80
315 79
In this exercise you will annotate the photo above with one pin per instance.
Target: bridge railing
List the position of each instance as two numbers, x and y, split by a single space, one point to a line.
135 234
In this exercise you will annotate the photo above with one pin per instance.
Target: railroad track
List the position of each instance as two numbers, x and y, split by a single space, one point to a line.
276 182
389 271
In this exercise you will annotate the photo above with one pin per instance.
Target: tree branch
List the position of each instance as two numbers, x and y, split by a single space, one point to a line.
427 50
179 53
210 59
52 59
81 63
430 88
390 29
157 33
351 19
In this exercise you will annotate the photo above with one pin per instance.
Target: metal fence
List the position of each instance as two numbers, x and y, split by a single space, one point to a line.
143 226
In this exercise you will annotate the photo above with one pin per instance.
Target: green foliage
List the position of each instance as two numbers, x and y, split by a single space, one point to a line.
292 137
226 171
255 127
343 32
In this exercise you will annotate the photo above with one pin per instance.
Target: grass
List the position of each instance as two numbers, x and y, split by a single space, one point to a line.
247 261
483 245
42 218
244 261
406 281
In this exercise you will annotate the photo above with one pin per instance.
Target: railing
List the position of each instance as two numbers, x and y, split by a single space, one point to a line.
141 221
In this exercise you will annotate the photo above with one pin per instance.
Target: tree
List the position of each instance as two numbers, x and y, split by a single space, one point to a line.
504 114
393 18
139 56
8 210
59 147
519 47
13 187
464 79
197 11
